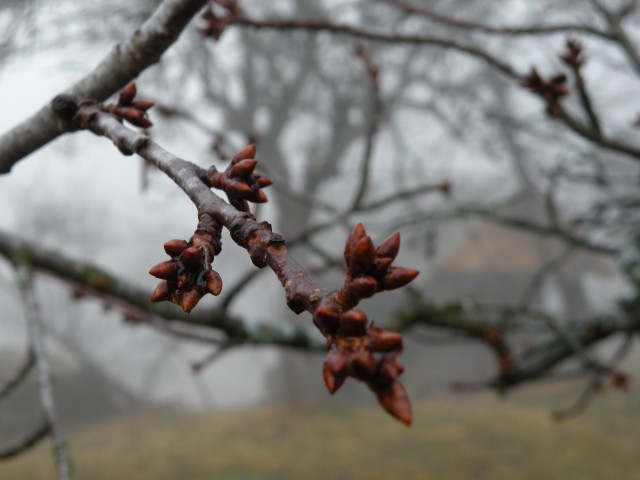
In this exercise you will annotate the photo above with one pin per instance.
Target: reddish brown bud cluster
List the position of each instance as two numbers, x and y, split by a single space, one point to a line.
573 57
188 276
356 348
215 24
239 181
366 353
131 110
550 90
369 268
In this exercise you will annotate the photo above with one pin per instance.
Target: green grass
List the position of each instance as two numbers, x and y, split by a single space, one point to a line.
464 437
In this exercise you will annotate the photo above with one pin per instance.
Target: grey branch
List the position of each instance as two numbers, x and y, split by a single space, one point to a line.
124 63
34 328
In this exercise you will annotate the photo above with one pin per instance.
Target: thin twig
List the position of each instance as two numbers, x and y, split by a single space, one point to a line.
200 365
19 376
28 441
499 30
595 383
372 128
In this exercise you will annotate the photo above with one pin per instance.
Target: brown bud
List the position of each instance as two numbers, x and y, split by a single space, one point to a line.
354 237
394 400
362 256
388 372
127 94
213 282
261 197
385 341
237 189
354 323
247 152
332 379
183 280
389 248
263 181
190 297
143 104
362 365
327 317
165 270
132 115
363 287
381 267
175 247
397 277
243 168
192 258
162 292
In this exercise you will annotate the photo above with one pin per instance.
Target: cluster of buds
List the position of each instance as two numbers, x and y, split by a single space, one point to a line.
550 90
356 348
239 181
188 276
369 269
573 57
215 24
132 110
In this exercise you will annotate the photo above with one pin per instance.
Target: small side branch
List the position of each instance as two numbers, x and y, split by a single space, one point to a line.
20 375
27 442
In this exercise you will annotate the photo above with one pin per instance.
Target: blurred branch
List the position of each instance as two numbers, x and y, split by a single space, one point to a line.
377 36
411 8
28 441
124 63
47 401
19 376
133 302
536 362
512 222
375 113
595 384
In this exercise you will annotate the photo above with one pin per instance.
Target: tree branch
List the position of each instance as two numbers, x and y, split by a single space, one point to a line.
124 63
47 401
28 441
